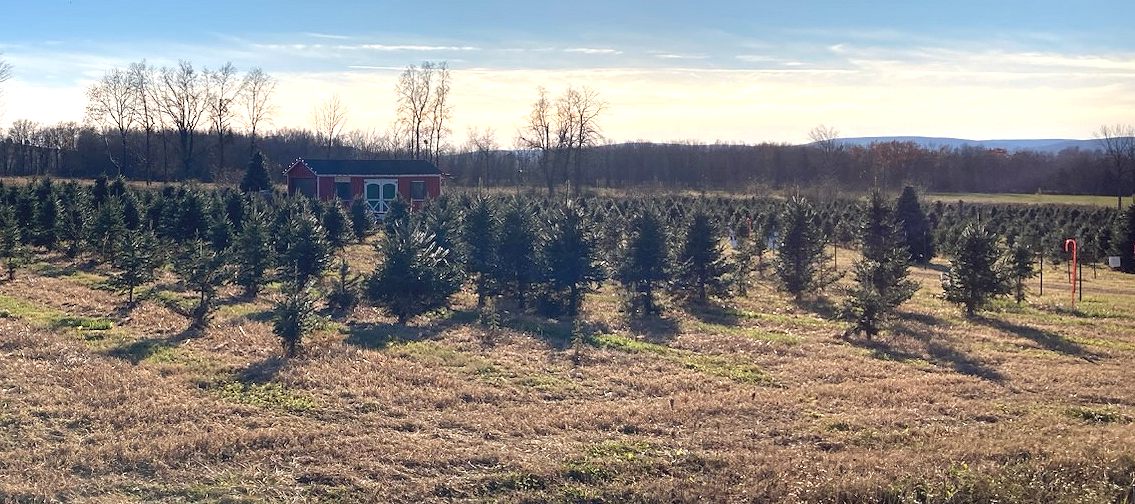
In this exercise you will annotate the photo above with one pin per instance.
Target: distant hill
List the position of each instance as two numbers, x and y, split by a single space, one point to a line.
1052 145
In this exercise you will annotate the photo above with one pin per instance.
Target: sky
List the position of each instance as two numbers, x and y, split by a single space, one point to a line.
705 71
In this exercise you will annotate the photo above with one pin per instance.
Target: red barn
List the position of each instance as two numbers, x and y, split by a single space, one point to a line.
377 182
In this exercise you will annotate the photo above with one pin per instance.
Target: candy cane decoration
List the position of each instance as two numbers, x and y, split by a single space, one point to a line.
1073 267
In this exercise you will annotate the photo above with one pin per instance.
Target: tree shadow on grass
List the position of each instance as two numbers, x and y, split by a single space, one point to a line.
654 328
1047 339
263 371
377 336
712 312
556 333
137 351
932 350
818 305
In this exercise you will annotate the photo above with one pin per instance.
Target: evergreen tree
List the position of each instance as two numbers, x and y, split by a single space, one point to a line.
519 268
800 253
977 272
100 191
362 221
253 253
645 265
294 316
1022 260
131 213
881 282
702 269
345 287
416 275
745 256
306 251
335 224
46 215
235 207
220 230
916 228
255 175
398 216
11 242
1123 238
74 223
108 226
136 260
25 212
203 270
481 234
571 259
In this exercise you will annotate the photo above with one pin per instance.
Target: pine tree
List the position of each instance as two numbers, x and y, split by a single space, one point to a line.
800 253
11 242
518 245
306 251
416 275
136 260
107 228
398 216
362 221
977 272
881 282
74 223
745 256
335 224
294 316
702 269
131 213
571 259
481 236
47 212
204 270
100 191
345 288
1023 263
255 175
645 266
916 228
253 253
220 229
1123 238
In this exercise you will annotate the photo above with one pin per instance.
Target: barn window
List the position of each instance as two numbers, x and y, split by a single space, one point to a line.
343 190
418 190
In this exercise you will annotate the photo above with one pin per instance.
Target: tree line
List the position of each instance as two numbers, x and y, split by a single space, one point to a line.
529 252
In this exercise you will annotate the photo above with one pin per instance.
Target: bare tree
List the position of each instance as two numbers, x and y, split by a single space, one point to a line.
184 101
5 74
23 133
484 144
329 121
580 109
826 140
110 105
144 90
257 101
537 135
415 103
440 111
224 88
1118 142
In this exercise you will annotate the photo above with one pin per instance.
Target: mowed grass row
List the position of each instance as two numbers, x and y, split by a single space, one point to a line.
756 399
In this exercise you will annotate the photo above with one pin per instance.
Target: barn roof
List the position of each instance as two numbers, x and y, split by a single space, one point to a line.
370 167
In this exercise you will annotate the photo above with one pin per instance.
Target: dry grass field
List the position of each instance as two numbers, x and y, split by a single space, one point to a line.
758 401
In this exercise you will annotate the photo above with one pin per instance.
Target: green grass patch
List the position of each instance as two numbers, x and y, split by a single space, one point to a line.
1097 415
755 333
714 365
265 395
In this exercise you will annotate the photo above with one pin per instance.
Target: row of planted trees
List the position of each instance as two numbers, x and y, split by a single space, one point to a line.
532 252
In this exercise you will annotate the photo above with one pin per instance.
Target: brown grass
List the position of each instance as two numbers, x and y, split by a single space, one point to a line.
758 400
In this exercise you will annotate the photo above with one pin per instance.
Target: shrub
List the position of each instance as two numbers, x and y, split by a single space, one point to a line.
415 277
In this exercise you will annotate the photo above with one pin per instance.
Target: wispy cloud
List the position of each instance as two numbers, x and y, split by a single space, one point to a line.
675 56
410 47
328 36
593 50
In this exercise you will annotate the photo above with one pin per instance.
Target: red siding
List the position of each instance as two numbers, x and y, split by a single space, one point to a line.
326 184
326 188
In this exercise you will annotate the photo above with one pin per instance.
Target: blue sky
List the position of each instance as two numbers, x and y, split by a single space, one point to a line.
734 71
